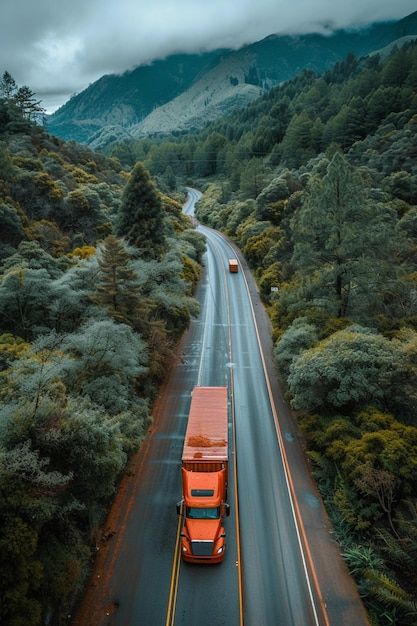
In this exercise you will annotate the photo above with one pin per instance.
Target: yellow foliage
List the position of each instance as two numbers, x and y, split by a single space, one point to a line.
47 185
212 195
49 235
410 278
81 176
26 163
91 166
12 347
191 272
343 501
170 205
83 252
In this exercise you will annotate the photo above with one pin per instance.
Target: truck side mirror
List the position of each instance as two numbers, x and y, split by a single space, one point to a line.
227 510
179 507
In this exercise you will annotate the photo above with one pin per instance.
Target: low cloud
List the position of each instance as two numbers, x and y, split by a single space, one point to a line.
59 48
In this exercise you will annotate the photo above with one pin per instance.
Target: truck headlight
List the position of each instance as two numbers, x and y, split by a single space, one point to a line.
220 550
184 549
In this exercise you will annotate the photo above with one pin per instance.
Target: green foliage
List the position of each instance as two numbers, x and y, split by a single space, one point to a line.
11 229
23 98
105 360
337 237
298 337
297 144
85 338
169 178
333 227
83 212
352 367
141 218
197 244
25 299
252 179
117 284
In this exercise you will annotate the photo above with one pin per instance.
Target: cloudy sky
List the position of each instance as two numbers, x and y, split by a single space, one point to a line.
58 47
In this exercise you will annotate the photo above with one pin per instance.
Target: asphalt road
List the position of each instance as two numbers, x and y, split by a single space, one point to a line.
275 586
142 584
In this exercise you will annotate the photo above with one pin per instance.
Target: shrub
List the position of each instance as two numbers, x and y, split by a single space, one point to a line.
351 367
298 337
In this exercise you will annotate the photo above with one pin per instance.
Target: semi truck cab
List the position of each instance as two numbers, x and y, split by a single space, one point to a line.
203 537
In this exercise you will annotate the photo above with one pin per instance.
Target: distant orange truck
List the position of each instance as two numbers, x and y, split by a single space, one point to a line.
204 477
233 266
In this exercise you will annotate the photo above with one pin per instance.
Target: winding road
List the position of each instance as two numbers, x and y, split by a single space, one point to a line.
268 577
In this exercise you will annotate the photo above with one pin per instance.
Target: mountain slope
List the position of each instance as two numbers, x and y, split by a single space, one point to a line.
126 99
185 91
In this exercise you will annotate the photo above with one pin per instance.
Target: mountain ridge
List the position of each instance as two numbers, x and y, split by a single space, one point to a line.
184 91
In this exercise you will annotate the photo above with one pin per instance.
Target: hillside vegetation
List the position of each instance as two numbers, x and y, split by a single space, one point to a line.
317 183
183 92
123 100
91 306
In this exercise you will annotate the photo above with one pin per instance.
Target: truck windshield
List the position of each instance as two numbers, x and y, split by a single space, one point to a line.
210 513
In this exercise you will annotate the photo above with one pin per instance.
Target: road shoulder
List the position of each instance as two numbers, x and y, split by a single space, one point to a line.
339 591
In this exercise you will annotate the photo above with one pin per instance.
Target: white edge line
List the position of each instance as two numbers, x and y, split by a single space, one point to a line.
279 435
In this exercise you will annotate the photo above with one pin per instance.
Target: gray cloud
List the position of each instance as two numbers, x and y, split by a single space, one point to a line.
59 47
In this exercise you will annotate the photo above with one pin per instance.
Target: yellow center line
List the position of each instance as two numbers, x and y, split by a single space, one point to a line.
232 396
175 572
173 591
239 558
299 523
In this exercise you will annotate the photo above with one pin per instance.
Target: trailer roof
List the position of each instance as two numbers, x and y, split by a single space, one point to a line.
206 436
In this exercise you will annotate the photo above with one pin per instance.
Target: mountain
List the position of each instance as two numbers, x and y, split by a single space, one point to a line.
183 92
127 98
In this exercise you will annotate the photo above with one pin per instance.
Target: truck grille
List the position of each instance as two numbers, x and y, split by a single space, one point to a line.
202 548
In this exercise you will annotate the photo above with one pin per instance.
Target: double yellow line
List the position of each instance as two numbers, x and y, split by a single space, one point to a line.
175 575
232 395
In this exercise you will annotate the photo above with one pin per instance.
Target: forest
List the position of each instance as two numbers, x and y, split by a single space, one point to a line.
97 270
317 183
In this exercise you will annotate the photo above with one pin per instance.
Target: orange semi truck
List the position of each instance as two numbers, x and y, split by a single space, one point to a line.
204 477
233 266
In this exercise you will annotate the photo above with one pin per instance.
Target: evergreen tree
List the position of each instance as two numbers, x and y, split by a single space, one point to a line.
8 86
343 244
117 284
297 145
169 178
25 100
141 218
252 178
396 69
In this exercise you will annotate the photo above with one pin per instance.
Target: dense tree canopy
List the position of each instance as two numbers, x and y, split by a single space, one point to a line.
351 368
141 218
87 325
331 237
336 223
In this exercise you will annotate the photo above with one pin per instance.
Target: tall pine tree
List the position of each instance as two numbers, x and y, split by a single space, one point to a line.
117 288
8 86
141 218
344 244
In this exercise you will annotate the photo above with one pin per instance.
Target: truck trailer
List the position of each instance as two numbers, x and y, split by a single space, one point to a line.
204 477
